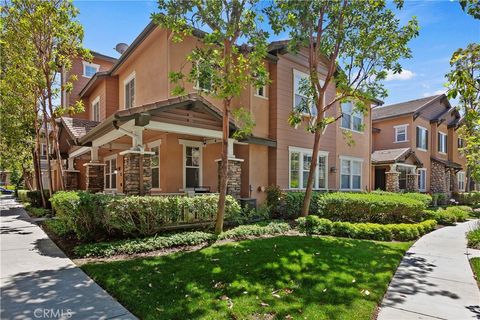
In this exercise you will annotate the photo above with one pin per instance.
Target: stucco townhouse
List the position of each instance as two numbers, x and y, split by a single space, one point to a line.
416 147
134 137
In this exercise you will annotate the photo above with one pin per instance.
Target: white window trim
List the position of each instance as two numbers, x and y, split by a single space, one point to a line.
89 64
426 139
396 132
306 151
302 74
349 158
351 129
461 173
154 144
196 86
105 159
97 99
446 142
127 80
265 97
191 143
418 171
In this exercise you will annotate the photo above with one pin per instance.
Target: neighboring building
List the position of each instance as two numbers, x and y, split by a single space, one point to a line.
134 137
416 147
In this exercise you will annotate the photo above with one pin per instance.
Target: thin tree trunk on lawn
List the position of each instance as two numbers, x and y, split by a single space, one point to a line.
311 174
223 169
56 145
37 162
47 141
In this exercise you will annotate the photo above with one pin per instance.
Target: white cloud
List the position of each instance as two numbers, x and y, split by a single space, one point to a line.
404 75
434 93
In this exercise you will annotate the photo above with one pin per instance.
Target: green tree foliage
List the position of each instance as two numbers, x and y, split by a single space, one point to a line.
352 45
230 58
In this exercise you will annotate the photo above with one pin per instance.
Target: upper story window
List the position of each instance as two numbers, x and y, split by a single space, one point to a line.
461 143
261 91
350 173
422 138
299 96
401 134
300 162
351 119
96 109
442 142
129 84
89 69
204 76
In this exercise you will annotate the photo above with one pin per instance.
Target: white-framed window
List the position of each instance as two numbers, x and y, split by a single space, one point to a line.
461 180
203 75
298 95
350 173
300 160
43 151
351 118
401 133
129 85
89 69
96 109
422 179
460 143
442 142
261 92
155 163
192 163
422 138
111 173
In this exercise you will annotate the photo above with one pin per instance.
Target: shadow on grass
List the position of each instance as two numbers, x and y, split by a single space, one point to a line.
320 278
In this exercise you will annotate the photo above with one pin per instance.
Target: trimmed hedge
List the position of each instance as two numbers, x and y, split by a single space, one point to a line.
449 215
423 197
370 207
371 231
90 216
242 232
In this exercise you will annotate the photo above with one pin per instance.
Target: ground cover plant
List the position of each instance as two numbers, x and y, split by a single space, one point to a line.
280 277
473 238
449 215
475 263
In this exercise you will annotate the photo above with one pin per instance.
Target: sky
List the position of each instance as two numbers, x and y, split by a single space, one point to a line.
444 28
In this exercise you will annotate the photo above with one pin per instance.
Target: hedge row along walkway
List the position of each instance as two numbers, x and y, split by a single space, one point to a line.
39 281
434 280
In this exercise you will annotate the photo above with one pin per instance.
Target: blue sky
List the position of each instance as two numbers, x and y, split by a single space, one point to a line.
444 27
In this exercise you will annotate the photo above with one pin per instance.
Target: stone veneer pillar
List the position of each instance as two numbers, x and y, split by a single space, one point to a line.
453 181
234 179
95 176
412 182
438 179
71 179
131 173
392 182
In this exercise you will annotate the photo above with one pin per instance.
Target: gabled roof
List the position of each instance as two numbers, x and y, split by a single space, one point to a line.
393 156
77 128
448 163
402 108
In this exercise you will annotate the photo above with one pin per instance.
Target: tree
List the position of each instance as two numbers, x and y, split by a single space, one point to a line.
358 41
51 30
231 58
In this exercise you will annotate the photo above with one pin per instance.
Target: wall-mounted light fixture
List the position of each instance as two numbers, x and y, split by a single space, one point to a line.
333 169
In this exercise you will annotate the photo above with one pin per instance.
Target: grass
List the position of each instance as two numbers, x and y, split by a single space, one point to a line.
282 277
473 238
475 263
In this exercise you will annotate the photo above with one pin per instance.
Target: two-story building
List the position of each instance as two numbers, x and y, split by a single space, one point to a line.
134 137
416 147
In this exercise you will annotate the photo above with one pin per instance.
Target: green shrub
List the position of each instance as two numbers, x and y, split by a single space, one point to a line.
274 198
468 198
473 238
444 217
423 197
460 215
37 212
467 209
241 232
106 249
58 228
371 231
34 197
370 207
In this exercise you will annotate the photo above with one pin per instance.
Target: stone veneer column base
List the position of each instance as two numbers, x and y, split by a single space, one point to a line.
131 173
234 179
437 178
95 176
71 179
392 182
412 182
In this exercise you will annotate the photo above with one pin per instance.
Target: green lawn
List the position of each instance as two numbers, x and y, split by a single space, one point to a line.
475 263
306 278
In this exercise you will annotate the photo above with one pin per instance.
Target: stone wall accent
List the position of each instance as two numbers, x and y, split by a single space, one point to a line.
234 173
95 176
131 173
438 178
412 182
71 179
453 181
391 181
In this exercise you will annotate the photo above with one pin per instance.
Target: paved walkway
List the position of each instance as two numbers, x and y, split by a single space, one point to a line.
37 281
434 280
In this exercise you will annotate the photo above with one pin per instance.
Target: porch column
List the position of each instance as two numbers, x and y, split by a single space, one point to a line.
391 179
453 181
234 176
412 182
95 172
438 179
137 172
71 178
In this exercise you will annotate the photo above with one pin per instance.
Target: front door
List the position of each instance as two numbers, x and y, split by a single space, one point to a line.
380 178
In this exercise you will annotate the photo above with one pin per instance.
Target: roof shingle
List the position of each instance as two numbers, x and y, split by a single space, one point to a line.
401 108
389 155
78 127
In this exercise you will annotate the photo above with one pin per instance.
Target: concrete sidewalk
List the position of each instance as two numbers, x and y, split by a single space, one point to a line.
435 280
38 281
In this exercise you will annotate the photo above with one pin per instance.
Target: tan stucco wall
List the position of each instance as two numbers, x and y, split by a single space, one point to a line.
385 139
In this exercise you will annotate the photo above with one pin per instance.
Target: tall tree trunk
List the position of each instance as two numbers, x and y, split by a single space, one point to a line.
37 162
311 174
56 145
223 168
47 142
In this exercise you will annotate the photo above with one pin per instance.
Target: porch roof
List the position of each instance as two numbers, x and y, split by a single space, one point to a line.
448 164
77 128
393 156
